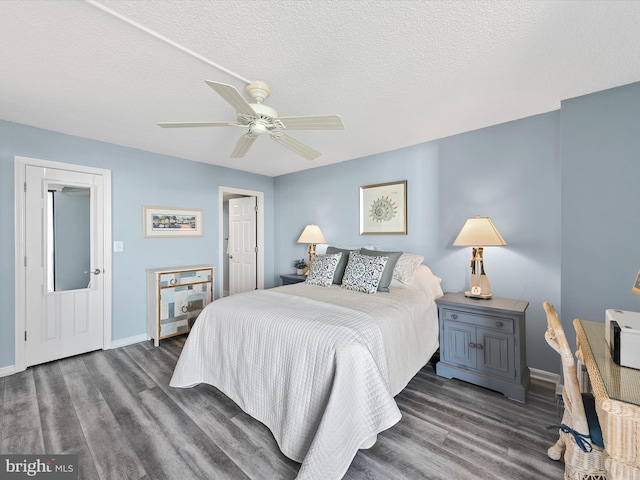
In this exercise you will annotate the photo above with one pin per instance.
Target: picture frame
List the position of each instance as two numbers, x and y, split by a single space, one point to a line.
383 208
170 222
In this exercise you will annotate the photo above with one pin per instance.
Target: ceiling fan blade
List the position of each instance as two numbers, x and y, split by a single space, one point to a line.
313 122
233 97
197 124
296 145
243 144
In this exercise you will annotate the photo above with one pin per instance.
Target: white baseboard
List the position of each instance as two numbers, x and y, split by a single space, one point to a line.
129 341
6 371
544 376
11 369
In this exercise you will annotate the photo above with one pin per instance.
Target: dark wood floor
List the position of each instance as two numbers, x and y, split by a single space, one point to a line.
116 411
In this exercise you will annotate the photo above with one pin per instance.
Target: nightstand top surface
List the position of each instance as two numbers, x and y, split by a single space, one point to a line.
494 303
294 276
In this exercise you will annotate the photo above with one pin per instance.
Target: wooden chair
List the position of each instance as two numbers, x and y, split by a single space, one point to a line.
580 434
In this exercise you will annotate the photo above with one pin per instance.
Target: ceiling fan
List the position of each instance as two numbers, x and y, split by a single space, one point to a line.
260 118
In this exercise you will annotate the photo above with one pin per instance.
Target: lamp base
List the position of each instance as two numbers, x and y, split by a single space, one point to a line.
486 296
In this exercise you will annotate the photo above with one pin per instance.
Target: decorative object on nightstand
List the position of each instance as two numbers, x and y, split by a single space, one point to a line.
636 285
479 232
483 342
311 235
300 266
291 278
175 298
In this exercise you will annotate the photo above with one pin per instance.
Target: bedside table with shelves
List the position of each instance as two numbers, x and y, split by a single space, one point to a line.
291 278
483 342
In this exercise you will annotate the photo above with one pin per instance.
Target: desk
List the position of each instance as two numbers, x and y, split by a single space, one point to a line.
617 393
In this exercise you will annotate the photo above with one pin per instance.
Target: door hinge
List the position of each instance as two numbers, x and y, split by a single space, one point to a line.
25 260
25 335
25 187
255 249
255 209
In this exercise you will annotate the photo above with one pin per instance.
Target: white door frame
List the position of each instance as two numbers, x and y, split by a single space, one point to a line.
259 233
19 166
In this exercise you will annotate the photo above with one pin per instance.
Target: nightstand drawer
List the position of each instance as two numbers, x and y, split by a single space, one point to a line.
498 323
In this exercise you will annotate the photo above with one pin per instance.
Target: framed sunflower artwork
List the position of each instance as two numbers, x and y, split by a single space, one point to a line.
383 208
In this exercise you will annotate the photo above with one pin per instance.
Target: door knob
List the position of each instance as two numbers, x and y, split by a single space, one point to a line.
97 271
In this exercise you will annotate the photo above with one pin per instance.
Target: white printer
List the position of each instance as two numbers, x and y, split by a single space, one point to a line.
622 332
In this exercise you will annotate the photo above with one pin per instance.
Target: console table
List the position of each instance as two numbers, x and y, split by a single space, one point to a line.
617 393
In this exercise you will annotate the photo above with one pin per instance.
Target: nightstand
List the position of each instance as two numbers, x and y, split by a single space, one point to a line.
291 278
483 342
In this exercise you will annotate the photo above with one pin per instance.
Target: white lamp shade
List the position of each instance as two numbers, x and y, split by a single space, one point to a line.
479 232
312 234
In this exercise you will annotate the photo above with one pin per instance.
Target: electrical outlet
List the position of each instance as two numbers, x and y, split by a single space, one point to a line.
118 246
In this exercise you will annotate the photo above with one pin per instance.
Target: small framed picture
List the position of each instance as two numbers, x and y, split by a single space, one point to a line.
383 208
172 222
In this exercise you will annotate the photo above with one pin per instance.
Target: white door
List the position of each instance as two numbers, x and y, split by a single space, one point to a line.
242 245
64 250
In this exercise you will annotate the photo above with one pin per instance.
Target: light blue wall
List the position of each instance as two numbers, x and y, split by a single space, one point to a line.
138 178
329 196
509 172
560 187
600 202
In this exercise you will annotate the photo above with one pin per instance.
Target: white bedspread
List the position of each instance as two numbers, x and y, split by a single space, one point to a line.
320 375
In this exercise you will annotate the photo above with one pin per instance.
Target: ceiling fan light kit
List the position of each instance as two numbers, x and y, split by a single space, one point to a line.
258 91
261 119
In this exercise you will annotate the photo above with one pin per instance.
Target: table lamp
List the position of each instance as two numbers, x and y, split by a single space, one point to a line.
479 232
311 235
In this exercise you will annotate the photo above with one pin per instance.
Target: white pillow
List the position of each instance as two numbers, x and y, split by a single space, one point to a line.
406 267
322 269
423 280
363 273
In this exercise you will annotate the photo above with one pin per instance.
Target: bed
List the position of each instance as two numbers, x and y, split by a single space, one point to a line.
319 365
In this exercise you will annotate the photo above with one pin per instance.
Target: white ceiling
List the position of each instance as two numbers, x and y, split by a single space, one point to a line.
398 72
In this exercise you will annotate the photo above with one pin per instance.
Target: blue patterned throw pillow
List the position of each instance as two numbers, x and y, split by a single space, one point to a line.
322 269
363 272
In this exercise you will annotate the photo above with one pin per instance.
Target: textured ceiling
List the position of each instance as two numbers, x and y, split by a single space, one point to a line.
398 72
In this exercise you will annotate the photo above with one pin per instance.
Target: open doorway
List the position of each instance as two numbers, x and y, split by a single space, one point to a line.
236 274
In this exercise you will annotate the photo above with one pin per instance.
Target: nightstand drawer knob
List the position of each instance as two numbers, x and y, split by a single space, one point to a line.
472 345
454 316
499 324
479 346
